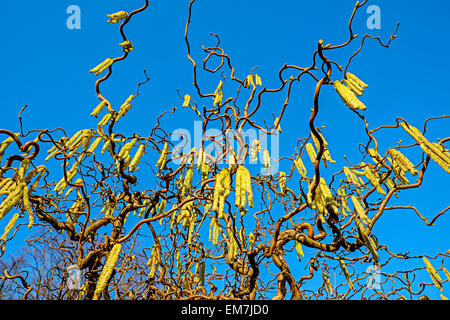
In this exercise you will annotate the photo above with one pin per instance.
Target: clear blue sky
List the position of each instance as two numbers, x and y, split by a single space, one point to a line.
46 66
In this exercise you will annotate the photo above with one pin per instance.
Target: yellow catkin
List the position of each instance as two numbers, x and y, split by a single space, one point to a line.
323 199
185 214
346 274
125 107
27 206
214 229
354 78
205 171
191 157
187 101
102 66
258 80
327 199
81 140
187 182
360 210
4 145
398 172
137 158
343 199
267 159
76 138
77 182
255 149
218 94
200 158
250 81
326 154
109 208
441 158
239 189
9 226
55 150
161 163
299 249
202 166
123 111
87 140
125 151
201 273
309 199
437 154
39 169
248 188
4 181
327 283
373 177
11 200
127 46
231 158
99 108
447 273
433 274
106 146
144 207
351 177
389 183
107 270
300 167
211 229
52 149
243 188
282 182
348 97
192 224
94 145
162 206
5 184
216 233
116 17
62 184
375 156
277 125
368 243
24 165
82 291
242 234
403 161
311 152
222 188
51 155
354 87
104 120
233 249
251 241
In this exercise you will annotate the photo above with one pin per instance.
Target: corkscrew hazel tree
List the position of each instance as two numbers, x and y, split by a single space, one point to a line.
165 251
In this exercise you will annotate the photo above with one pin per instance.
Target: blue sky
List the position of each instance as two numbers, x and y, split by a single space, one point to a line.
46 65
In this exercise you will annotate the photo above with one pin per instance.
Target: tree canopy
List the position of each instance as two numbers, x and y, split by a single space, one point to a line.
156 215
